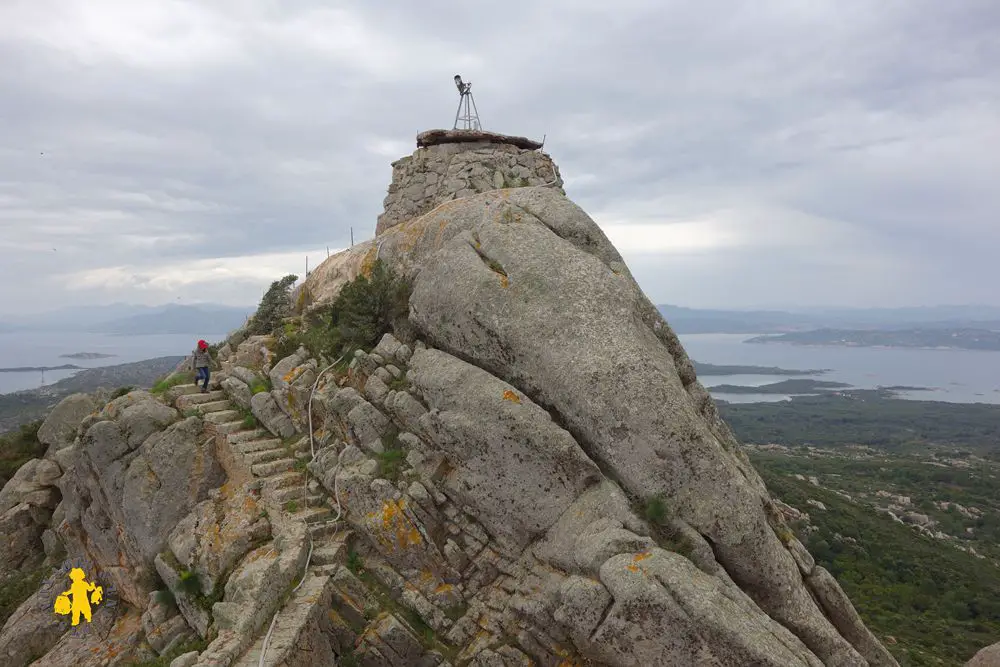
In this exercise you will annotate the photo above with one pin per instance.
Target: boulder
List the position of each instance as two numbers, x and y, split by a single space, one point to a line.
245 374
987 657
113 638
528 253
26 505
34 483
513 466
284 371
164 627
60 427
237 391
254 592
217 533
120 503
252 353
270 415
33 629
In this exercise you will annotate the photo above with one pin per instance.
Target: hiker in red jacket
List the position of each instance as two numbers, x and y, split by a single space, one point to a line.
201 360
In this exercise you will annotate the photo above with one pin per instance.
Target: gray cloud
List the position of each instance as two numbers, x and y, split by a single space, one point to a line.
773 153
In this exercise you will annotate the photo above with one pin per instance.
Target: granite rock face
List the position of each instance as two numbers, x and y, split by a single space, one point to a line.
60 427
516 417
134 474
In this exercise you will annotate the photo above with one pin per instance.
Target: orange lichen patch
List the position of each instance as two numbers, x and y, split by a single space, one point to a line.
504 281
290 375
395 523
633 566
511 396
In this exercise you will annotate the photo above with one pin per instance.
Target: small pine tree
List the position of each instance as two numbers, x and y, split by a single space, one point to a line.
369 306
274 305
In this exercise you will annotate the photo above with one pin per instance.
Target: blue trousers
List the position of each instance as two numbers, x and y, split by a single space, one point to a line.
203 373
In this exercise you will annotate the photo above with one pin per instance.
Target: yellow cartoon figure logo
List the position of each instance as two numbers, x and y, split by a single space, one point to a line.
75 600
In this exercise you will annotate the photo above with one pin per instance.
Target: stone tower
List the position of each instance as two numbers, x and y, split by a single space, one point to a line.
452 164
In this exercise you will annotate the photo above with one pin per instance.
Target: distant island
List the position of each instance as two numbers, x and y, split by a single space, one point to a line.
87 355
29 369
722 369
953 339
784 387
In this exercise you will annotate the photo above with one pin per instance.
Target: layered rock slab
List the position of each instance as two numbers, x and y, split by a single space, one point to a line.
523 284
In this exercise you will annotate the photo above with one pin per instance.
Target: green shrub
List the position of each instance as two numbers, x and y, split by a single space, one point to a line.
368 307
292 507
655 510
18 447
390 463
164 660
354 562
275 305
365 309
260 385
189 582
121 391
165 596
17 588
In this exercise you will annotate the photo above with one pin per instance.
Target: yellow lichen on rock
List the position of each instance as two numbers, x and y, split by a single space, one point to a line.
508 395
397 529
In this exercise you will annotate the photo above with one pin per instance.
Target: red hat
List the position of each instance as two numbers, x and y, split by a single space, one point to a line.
202 345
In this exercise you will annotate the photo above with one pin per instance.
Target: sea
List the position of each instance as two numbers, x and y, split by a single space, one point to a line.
44 349
957 376
960 376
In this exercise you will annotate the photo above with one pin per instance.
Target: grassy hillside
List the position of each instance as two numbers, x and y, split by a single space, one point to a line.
929 601
868 418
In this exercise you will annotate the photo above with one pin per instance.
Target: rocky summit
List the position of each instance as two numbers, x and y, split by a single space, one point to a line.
527 473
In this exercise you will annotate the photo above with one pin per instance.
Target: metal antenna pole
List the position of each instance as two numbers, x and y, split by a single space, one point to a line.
466 103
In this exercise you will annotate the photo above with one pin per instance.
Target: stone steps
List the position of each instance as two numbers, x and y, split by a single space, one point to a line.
329 554
295 620
283 480
224 416
213 406
312 514
324 529
229 427
192 396
247 436
258 445
273 467
294 495
264 455
296 492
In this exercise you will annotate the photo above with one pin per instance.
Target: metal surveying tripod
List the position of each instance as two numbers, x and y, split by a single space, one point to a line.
466 104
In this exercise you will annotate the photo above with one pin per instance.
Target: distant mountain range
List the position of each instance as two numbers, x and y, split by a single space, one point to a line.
694 320
127 319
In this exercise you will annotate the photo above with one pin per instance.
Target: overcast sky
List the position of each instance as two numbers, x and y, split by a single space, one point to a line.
773 153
